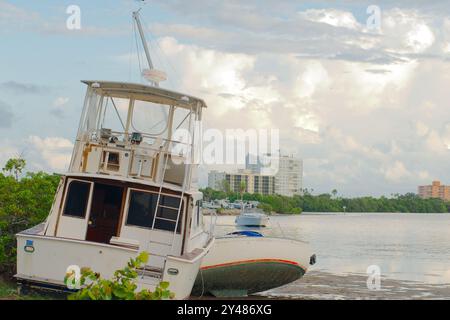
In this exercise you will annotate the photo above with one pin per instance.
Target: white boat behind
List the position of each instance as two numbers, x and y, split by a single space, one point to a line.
252 219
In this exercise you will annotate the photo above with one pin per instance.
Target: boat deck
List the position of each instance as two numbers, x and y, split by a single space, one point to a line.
36 230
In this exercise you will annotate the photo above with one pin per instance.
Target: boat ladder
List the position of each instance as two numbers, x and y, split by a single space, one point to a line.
160 206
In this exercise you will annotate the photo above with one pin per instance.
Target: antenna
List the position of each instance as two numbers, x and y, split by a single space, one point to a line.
152 75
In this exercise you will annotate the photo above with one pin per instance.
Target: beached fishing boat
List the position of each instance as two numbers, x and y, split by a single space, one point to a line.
131 187
245 262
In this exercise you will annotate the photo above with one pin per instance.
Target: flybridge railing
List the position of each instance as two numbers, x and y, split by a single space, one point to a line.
161 150
158 143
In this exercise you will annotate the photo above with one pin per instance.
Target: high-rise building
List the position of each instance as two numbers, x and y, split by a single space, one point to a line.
252 163
435 190
266 174
288 171
254 183
289 177
216 180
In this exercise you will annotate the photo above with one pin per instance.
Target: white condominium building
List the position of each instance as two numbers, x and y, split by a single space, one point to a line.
289 178
216 179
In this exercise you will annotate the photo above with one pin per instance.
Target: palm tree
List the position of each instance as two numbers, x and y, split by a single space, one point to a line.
242 188
15 165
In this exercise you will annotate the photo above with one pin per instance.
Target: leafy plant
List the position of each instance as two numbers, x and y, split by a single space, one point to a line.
122 286
23 204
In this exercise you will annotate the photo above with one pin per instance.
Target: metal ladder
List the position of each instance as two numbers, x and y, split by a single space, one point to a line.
160 206
187 176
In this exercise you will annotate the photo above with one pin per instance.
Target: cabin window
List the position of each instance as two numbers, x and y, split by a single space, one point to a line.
112 160
142 208
77 199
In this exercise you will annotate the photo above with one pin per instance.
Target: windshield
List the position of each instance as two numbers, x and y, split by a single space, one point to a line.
150 118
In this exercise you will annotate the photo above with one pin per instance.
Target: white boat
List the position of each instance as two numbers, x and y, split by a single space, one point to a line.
252 219
245 262
131 187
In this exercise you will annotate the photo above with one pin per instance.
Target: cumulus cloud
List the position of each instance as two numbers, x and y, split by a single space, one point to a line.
58 107
51 153
22 88
368 111
359 114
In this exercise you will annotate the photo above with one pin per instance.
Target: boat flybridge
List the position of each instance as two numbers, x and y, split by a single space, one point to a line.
131 186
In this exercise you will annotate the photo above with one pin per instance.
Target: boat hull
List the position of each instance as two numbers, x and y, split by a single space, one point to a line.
43 262
238 266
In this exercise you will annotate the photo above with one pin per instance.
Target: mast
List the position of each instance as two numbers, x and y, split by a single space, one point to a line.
136 18
152 75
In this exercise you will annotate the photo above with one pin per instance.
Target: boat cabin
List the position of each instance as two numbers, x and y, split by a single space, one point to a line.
131 181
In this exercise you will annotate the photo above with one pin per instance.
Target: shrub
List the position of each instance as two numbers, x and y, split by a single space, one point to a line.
23 204
121 287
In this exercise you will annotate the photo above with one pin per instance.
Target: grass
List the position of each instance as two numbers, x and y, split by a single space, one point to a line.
8 291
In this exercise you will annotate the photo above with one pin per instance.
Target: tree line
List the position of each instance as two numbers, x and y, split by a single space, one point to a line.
331 202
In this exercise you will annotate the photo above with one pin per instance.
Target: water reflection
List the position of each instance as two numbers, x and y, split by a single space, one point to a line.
414 247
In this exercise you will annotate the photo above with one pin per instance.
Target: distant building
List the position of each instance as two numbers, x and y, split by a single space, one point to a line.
252 163
289 177
254 183
266 174
216 179
435 190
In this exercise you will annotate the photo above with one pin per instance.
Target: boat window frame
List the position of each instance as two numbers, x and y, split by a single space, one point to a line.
127 209
88 200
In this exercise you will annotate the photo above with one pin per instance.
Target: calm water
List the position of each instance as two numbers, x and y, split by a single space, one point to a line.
411 247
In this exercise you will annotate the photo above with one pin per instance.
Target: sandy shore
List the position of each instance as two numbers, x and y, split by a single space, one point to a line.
322 285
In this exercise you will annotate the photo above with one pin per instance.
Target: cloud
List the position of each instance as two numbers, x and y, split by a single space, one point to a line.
58 107
15 18
396 172
7 151
347 118
22 88
50 153
336 18
368 111
60 102
6 116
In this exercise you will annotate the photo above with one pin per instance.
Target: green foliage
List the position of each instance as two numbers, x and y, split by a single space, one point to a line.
307 202
220 210
15 166
23 204
121 287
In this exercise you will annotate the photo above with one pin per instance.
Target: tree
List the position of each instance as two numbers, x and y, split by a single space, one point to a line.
242 187
23 204
15 165
226 186
334 193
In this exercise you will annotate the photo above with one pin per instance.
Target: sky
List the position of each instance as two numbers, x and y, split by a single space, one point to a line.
366 108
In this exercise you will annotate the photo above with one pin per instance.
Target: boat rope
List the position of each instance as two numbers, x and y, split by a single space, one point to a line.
203 282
